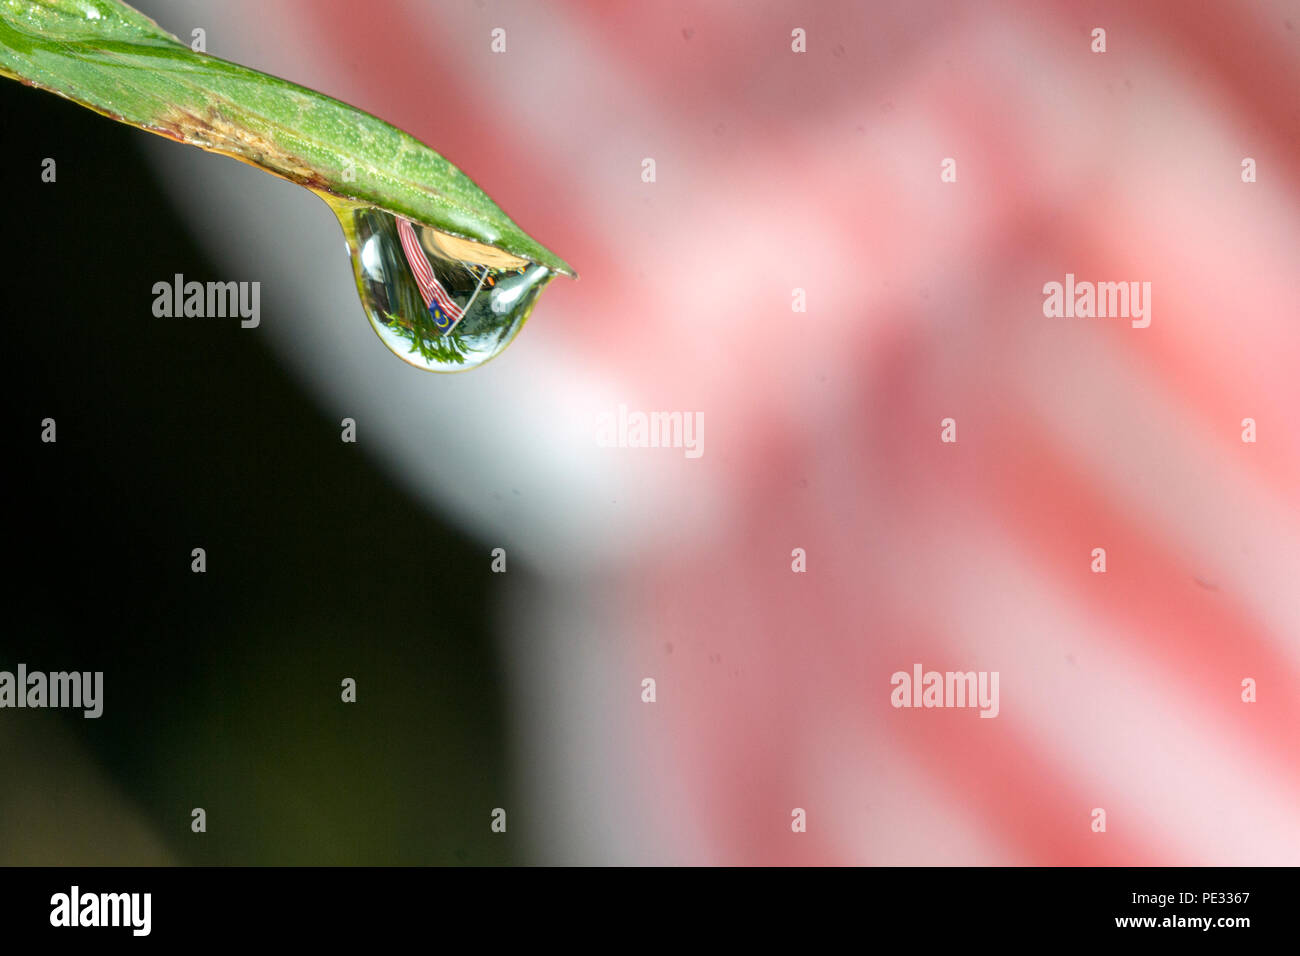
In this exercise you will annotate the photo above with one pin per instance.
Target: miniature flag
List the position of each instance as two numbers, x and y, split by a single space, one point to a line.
444 310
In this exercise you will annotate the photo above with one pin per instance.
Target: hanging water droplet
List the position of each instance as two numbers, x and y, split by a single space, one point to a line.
438 302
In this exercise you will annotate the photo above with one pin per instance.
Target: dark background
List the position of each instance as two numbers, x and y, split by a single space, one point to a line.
222 690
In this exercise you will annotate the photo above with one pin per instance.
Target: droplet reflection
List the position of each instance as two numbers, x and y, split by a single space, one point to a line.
438 302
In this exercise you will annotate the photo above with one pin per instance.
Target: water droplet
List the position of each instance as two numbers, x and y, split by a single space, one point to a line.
437 301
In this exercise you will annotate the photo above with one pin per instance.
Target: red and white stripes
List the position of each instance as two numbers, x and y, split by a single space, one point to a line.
431 289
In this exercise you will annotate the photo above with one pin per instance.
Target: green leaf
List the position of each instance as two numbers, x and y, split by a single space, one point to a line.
116 61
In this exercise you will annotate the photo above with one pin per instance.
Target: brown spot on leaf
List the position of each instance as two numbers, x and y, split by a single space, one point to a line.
216 134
